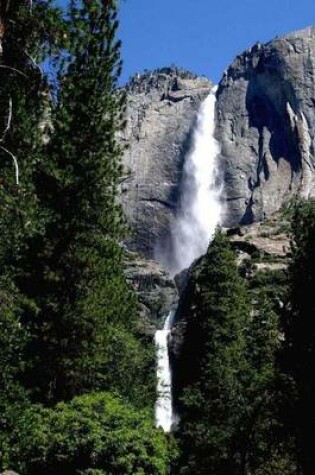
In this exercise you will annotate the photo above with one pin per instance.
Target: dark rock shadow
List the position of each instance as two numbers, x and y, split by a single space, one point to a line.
266 102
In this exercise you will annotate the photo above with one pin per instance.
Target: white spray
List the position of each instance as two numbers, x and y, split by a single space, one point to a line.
199 214
199 210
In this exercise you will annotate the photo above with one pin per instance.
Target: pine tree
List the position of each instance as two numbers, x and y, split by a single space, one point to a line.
213 362
298 358
27 32
82 319
260 443
24 37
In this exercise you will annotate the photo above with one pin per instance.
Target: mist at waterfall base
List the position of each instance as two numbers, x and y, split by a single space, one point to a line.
192 230
199 207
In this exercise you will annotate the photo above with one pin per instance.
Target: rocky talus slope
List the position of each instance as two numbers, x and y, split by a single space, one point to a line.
266 126
161 110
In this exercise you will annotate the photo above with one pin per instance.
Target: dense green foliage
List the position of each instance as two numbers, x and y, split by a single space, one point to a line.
298 354
68 319
227 379
213 364
26 35
80 306
92 432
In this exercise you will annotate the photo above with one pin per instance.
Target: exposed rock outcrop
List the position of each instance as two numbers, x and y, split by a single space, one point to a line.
161 110
266 126
155 289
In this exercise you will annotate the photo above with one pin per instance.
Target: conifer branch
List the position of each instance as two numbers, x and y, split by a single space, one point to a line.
16 165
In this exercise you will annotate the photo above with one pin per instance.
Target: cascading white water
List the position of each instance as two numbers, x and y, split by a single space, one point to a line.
199 215
199 210
163 407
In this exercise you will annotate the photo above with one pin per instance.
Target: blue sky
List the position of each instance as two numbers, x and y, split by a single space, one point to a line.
202 35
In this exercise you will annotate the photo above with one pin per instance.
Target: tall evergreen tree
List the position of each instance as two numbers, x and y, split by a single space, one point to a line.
226 376
213 362
82 317
27 31
25 38
298 358
261 442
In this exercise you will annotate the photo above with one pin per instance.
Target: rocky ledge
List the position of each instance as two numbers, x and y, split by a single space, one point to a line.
155 289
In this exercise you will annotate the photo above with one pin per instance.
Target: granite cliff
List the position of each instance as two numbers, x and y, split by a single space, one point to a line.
266 126
161 110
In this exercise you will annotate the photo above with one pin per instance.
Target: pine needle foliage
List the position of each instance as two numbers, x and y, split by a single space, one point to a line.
26 31
213 362
82 311
298 352
61 223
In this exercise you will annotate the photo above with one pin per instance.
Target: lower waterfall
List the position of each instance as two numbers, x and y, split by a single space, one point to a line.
193 228
164 406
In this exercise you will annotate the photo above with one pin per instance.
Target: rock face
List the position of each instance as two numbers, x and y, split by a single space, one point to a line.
155 289
266 126
161 110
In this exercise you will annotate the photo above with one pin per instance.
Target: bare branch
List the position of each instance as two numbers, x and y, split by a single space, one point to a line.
7 128
4 66
16 165
34 63
7 5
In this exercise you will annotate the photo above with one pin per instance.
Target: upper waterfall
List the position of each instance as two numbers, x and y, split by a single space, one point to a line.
199 209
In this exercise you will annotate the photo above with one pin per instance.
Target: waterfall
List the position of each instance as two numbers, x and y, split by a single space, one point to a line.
192 230
163 407
199 208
